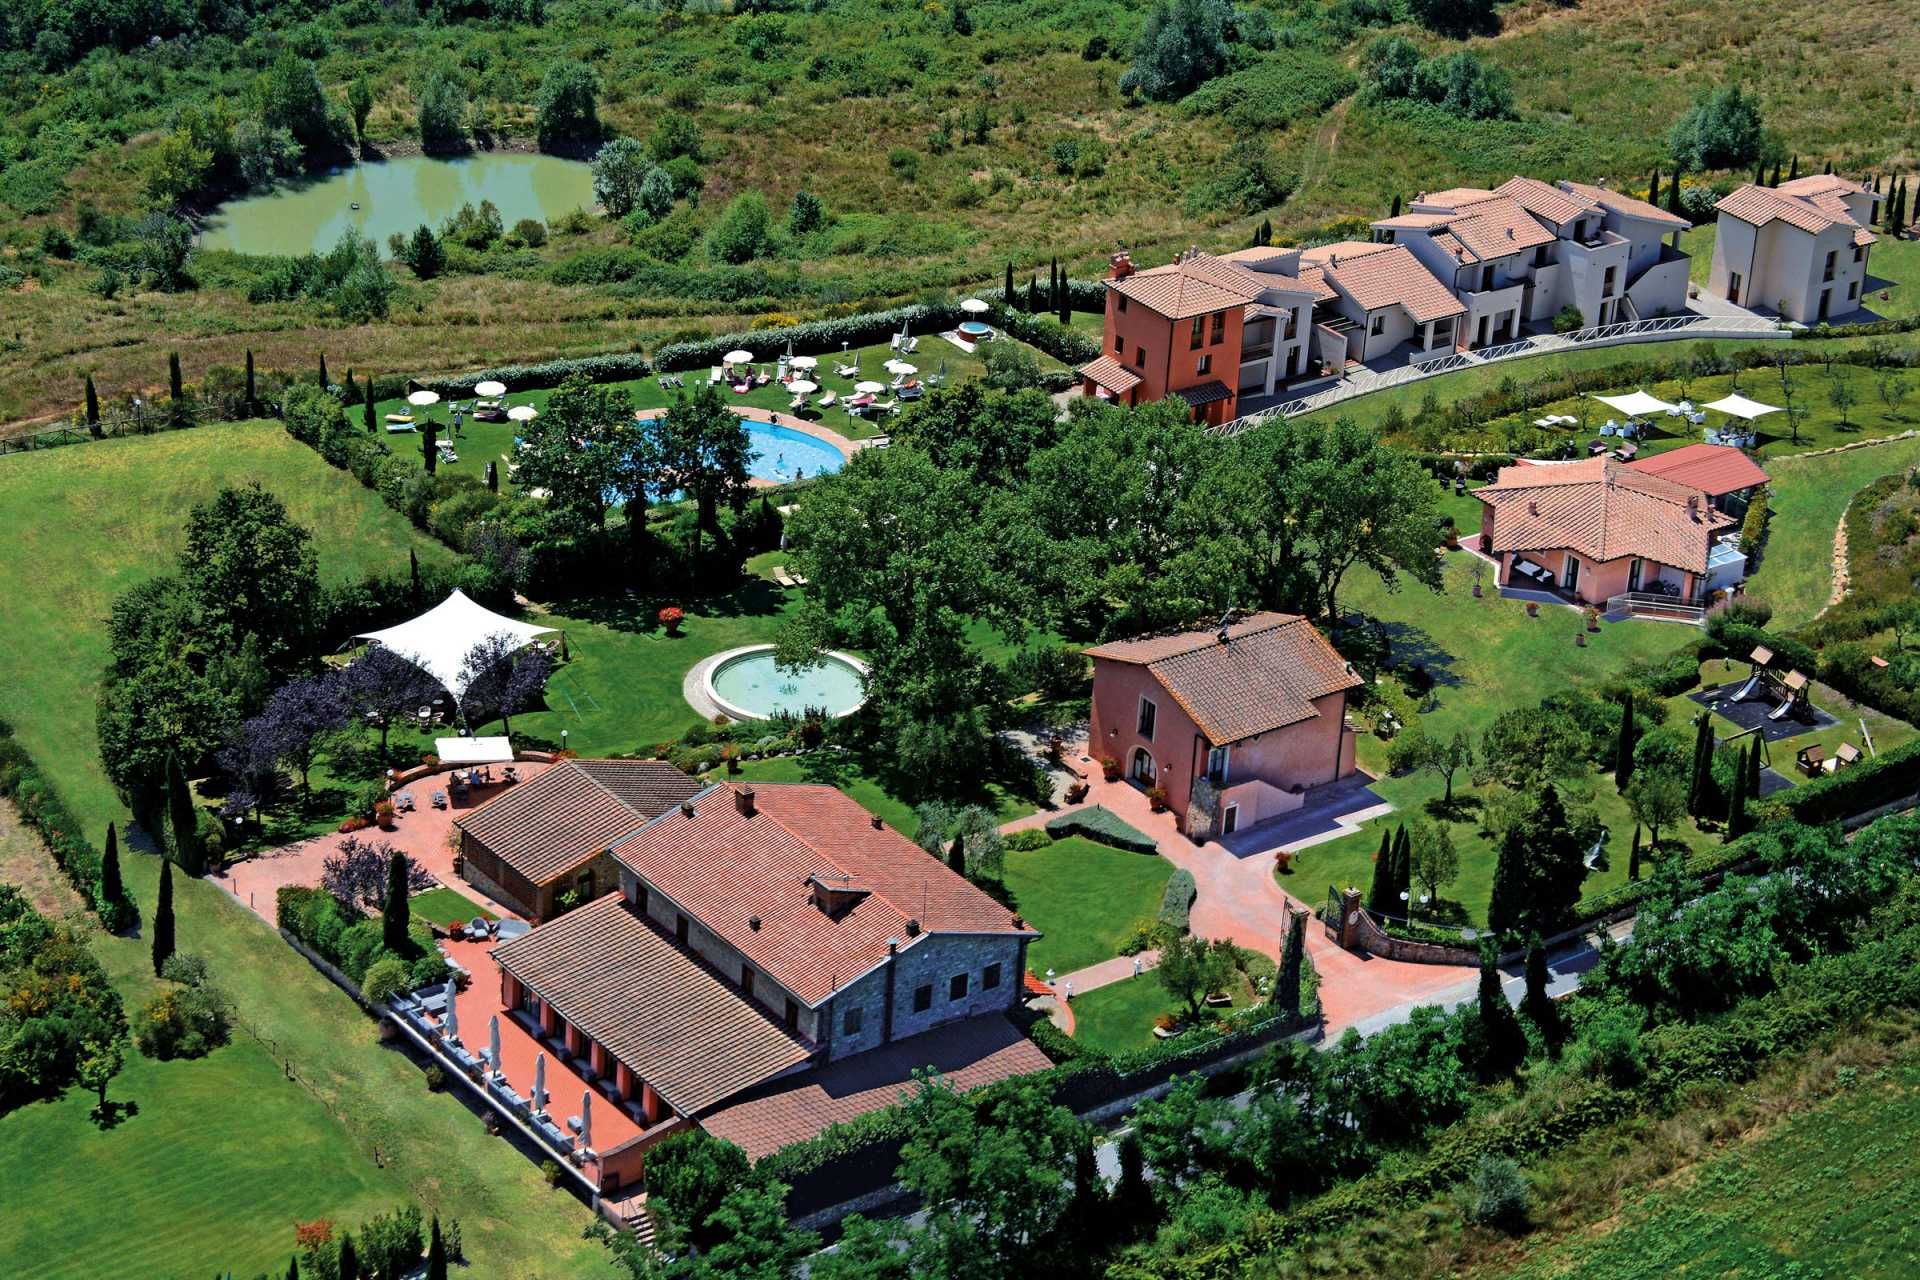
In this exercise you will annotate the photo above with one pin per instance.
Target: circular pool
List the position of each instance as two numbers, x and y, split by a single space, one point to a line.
748 685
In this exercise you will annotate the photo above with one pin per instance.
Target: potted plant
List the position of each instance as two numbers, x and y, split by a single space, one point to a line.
1533 608
1076 792
671 617
1157 798
1593 618
383 814
428 760
1166 1026
1283 861
1109 768
731 755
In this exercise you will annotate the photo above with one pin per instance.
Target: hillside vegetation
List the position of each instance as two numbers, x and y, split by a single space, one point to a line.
942 139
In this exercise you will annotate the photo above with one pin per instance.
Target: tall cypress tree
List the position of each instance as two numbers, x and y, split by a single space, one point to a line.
163 920
1033 295
1753 771
176 391
368 412
93 407
113 891
394 912
1700 782
181 825
429 447
493 476
1623 749
1395 211
1286 983
1382 872
1653 187
349 1268
1673 195
1537 1004
1066 300
252 399
325 382
1737 801
1505 1044
957 856
1403 871
293 1268
436 1252
1776 175
1793 170
1829 168
1013 299
1633 855
414 590
1759 172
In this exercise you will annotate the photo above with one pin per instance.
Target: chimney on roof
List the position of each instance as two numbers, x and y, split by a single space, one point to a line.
1509 233
743 801
877 824
753 923
913 928
1019 921
893 946
686 807
1120 265
1533 508
1693 505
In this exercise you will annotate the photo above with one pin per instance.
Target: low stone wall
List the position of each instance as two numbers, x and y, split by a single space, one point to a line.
1371 938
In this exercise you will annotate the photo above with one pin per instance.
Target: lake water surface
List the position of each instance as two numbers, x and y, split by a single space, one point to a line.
397 196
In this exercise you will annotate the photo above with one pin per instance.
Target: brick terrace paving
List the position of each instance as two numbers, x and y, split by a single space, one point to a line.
1240 900
422 835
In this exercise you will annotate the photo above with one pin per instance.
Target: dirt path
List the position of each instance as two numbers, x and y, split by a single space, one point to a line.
25 862
1839 591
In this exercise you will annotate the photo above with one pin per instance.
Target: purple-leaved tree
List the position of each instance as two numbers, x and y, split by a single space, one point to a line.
297 716
384 687
357 874
502 679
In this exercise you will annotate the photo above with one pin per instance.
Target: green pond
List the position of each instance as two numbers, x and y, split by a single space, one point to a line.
397 196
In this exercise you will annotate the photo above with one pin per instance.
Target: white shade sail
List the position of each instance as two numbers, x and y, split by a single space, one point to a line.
439 640
490 388
1741 407
457 753
1637 405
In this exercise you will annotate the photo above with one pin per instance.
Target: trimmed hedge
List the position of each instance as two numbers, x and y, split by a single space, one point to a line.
1177 901
1104 826
1856 789
816 337
33 793
354 945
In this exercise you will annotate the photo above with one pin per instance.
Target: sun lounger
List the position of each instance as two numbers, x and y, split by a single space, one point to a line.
885 406
797 403
846 370
828 400
439 799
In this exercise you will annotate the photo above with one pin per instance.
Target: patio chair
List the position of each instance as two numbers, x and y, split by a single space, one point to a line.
846 370
439 799
910 345
403 802
796 404
828 400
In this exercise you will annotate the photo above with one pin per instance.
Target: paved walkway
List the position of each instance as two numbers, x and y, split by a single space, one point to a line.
1106 973
1240 900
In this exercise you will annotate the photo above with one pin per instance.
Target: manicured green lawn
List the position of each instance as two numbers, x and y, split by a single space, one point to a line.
844 771
1086 898
443 905
1118 1018
1809 494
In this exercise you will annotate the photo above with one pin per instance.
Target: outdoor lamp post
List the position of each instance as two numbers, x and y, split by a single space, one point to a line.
563 739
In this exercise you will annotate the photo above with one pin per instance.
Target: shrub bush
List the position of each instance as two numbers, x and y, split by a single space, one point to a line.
1103 825
1501 1196
1177 901
183 1022
1029 840
386 977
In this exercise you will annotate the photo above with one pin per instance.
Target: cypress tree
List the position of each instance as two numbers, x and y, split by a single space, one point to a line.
1623 749
1829 168
349 1268
1505 1043
1753 771
1382 872
957 856
368 413
1266 230
163 919
252 399
1793 170
493 477
1673 195
436 1252
1012 300
1700 783
413 576
1653 187
1633 855
324 381
394 912
1759 172
181 826
293 1268
113 891
1537 1004
1066 301
429 452
1033 295
1053 284
1776 175
1391 213
1403 870
1737 801
93 407
1286 983
176 391
1132 1200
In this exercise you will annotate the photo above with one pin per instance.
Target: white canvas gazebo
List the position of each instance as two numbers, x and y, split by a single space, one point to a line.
439 640
1636 405
1740 407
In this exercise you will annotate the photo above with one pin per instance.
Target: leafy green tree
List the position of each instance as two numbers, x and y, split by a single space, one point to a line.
183 838
423 253
1455 17
805 215
1541 866
1182 46
1191 969
253 572
1722 130
163 920
166 246
360 104
1185 1134
442 112
674 134
619 168
690 1174
1435 862
1536 1004
174 168
744 230
1525 745
573 449
567 107
291 98
704 452
1443 757
867 1250
1656 798
1842 396
656 195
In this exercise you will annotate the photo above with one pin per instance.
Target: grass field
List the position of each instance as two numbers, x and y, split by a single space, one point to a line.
84 523
1118 1018
442 905
1087 898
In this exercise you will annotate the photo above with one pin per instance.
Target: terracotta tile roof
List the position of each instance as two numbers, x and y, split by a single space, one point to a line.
1414 221
1212 391
1111 374
1264 678
547 826
1452 197
1193 286
967 1055
1627 205
1314 281
1546 201
1824 184
1761 205
1602 509
694 1038
1713 469
731 872
1384 275
1278 279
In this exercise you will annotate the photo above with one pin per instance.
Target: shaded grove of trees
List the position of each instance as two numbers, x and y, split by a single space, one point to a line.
61 1021
1115 522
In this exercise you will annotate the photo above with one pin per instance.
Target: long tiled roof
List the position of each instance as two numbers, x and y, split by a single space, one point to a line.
1815 184
1452 197
549 825
1299 284
750 879
1497 226
1602 509
1111 374
1545 200
1196 285
694 1038
1714 469
1265 677
1761 205
1628 205
1384 275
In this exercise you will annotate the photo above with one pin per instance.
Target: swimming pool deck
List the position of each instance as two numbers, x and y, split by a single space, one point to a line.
697 685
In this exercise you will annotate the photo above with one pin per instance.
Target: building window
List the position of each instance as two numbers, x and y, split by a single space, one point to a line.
1198 334
1119 344
1606 286
990 977
1376 325
1858 253
923 998
793 1016
1140 357
1120 301
1831 258
1205 366
1147 713
1217 764
641 895
680 929
1219 327
957 987
746 979
851 1020
1853 290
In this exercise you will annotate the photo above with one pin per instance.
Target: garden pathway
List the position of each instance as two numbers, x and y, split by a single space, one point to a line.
1240 900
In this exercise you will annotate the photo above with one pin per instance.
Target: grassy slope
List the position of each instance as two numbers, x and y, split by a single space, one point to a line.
1085 897
84 523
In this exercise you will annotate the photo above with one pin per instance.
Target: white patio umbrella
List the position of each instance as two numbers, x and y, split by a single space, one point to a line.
523 413
869 388
586 1119
539 1095
789 350
900 366
739 357
490 388
974 307
493 1041
451 1027
421 399
804 362
801 387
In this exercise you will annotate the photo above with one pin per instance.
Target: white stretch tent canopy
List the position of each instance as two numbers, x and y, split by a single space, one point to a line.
1637 405
439 640
459 752
1741 407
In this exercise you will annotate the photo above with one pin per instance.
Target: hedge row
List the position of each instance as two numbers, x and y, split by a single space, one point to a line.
1856 789
1177 901
353 945
1873 329
1069 346
40 804
1103 826
816 337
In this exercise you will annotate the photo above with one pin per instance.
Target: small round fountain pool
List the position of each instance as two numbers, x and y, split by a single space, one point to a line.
747 685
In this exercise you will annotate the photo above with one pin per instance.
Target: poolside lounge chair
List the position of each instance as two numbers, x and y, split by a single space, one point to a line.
846 370
885 406
714 375
439 799
828 400
796 404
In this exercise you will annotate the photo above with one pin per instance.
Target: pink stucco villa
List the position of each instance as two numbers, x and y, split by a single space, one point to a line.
1234 724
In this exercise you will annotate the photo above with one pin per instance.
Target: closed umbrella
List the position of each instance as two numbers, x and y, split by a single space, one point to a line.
586 1119
539 1082
490 388
801 387
493 1042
